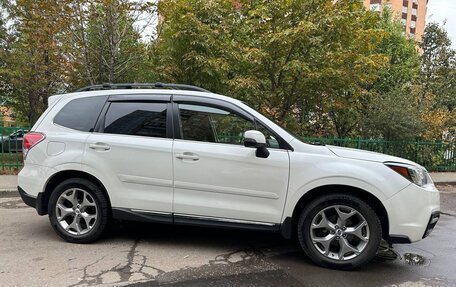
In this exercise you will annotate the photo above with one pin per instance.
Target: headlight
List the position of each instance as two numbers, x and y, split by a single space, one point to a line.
417 175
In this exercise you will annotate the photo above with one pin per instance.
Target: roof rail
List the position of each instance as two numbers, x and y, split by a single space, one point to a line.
109 86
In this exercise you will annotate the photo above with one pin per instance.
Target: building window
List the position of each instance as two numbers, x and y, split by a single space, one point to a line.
413 24
404 10
404 22
405 3
404 16
414 12
413 17
375 7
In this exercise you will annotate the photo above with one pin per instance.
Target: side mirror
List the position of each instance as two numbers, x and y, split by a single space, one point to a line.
256 139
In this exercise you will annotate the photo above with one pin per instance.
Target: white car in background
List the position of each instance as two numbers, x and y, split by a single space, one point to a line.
179 154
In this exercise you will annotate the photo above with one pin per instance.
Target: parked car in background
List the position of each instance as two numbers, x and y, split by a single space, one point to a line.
179 154
12 142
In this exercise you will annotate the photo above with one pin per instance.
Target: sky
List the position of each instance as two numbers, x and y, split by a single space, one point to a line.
444 10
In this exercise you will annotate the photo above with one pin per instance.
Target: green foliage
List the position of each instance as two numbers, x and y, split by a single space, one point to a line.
391 109
320 68
394 114
107 46
36 62
439 66
438 81
287 58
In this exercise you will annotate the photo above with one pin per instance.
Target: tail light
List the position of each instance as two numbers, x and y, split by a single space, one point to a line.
31 139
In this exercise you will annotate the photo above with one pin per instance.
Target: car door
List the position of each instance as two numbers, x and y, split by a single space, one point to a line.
215 176
131 152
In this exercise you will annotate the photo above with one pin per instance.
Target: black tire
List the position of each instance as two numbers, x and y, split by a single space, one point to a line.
103 214
311 210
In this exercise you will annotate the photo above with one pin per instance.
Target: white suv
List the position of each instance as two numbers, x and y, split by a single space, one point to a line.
181 155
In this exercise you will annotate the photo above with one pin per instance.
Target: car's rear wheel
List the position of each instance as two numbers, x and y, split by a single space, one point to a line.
78 210
339 231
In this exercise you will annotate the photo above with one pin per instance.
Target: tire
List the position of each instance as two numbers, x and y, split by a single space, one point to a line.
79 211
357 239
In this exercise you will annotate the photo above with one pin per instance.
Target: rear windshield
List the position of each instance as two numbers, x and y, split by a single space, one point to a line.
81 114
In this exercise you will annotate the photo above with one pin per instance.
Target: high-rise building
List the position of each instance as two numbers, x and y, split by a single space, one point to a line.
411 12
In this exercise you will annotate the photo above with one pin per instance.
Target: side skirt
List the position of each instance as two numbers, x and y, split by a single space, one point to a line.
194 220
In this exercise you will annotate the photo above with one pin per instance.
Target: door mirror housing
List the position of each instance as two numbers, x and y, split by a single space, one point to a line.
256 139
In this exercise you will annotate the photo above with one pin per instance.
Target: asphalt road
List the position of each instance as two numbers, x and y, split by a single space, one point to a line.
134 254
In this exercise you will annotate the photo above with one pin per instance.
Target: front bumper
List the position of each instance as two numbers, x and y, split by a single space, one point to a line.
432 223
412 213
32 201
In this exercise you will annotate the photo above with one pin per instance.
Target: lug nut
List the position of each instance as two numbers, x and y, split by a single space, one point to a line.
345 235
337 226
332 232
337 237
343 228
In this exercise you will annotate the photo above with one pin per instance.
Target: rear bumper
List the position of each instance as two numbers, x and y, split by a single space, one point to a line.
28 199
32 201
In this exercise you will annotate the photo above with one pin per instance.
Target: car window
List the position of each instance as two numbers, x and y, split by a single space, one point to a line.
136 118
80 114
271 140
208 124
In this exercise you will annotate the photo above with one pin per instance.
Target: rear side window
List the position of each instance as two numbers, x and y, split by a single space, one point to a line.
136 118
81 114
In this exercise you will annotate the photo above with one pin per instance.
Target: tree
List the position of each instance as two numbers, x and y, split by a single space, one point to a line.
391 109
37 64
107 46
5 40
438 65
297 61
438 78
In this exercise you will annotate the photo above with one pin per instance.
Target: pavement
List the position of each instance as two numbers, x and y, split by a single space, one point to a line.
8 183
139 254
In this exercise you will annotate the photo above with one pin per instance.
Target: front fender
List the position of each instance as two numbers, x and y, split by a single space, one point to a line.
309 171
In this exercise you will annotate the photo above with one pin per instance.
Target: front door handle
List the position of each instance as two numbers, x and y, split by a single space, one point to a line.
99 146
187 155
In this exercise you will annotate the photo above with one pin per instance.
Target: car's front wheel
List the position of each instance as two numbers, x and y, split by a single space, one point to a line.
78 211
339 231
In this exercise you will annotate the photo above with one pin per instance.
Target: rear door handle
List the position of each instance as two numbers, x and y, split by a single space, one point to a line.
99 146
187 155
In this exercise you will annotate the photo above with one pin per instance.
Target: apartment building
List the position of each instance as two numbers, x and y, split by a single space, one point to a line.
411 12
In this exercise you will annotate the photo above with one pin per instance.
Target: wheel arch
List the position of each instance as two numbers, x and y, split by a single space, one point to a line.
59 177
289 228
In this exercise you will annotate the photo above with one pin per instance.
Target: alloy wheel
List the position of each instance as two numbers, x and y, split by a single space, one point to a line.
339 232
76 211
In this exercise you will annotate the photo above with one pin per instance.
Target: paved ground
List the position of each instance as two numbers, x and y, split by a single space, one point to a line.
8 182
31 254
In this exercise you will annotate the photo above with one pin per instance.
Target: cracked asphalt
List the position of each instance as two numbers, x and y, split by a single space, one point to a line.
138 254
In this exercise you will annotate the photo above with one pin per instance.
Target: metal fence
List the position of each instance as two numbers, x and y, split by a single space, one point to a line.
11 148
435 156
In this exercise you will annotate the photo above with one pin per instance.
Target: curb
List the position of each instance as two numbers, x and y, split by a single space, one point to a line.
445 183
12 192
